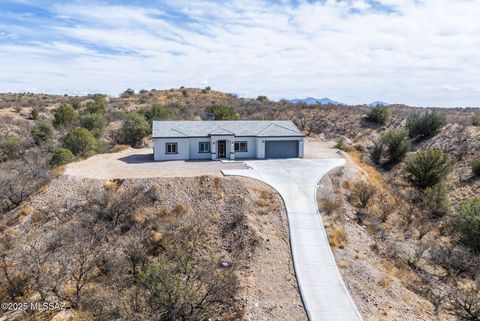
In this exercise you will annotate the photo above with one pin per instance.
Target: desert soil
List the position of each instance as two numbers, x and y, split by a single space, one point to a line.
268 287
379 288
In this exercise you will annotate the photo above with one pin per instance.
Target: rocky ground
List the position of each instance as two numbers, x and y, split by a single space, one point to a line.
268 288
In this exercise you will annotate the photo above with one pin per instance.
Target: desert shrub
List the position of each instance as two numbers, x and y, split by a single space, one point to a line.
42 132
75 102
476 167
475 121
21 178
468 222
426 125
61 156
465 303
435 200
65 116
128 93
362 193
97 106
376 153
342 144
221 112
428 167
262 98
157 112
134 128
379 114
396 144
80 141
330 205
95 123
34 114
11 147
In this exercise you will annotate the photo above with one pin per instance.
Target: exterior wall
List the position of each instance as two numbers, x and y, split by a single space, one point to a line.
194 148
251 147
261 145
188 147
159 146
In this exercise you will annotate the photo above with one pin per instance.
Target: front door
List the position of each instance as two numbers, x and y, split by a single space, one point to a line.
222 149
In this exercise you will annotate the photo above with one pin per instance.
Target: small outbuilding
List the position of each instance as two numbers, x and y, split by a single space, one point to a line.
233 139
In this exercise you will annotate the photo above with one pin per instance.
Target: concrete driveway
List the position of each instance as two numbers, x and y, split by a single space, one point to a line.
323 292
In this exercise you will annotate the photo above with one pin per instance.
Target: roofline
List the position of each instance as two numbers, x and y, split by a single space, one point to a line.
286 136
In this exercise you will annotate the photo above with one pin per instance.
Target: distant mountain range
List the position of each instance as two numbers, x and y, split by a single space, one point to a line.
328 101
312 100
378 103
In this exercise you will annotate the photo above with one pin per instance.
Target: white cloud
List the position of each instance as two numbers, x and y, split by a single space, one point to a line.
351 51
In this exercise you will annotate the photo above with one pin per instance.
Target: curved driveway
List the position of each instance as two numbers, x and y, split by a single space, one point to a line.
323 292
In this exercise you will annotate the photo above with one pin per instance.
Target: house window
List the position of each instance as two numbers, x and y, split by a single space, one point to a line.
204 147
240 146
171 148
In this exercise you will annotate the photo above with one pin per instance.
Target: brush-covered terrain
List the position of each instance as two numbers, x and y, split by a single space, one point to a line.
403 215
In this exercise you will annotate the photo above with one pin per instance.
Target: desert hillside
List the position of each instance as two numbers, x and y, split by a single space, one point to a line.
402 216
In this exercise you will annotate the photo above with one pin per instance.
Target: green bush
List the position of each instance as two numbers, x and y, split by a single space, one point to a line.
376 153
42 132
75 102
80 141
476 121
97 106
11 147
468 222
426 125
476 167
342 145
65 116
95 123
157 112
34 114
379 114
428 167
396 144
435 200
222 112
134 128
61 156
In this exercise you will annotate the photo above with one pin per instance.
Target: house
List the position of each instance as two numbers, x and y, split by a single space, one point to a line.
234 139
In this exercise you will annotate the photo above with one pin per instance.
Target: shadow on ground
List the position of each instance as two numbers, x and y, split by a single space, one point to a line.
137 159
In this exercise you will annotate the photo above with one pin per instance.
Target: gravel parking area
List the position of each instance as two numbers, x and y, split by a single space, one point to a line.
139 163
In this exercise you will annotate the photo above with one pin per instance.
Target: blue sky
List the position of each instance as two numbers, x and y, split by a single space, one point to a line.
418 52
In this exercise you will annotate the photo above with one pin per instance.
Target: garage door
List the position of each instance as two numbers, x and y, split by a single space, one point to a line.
281 149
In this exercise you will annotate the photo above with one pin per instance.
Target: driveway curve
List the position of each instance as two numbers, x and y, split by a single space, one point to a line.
321 286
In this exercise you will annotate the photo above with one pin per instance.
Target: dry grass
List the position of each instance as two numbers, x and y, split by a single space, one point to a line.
330 205
180 209
57 171
337 236
111 186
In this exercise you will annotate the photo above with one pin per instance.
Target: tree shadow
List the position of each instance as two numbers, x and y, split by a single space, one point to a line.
137 159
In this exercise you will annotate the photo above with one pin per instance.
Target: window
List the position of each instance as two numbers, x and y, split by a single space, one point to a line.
240 146
204 147
171 148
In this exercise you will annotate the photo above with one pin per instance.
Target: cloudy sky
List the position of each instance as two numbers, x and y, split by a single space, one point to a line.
418 52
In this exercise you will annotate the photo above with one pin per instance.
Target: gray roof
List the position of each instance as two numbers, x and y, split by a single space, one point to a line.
262 128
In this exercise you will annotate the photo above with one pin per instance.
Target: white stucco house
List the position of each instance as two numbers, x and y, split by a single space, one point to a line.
234 139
